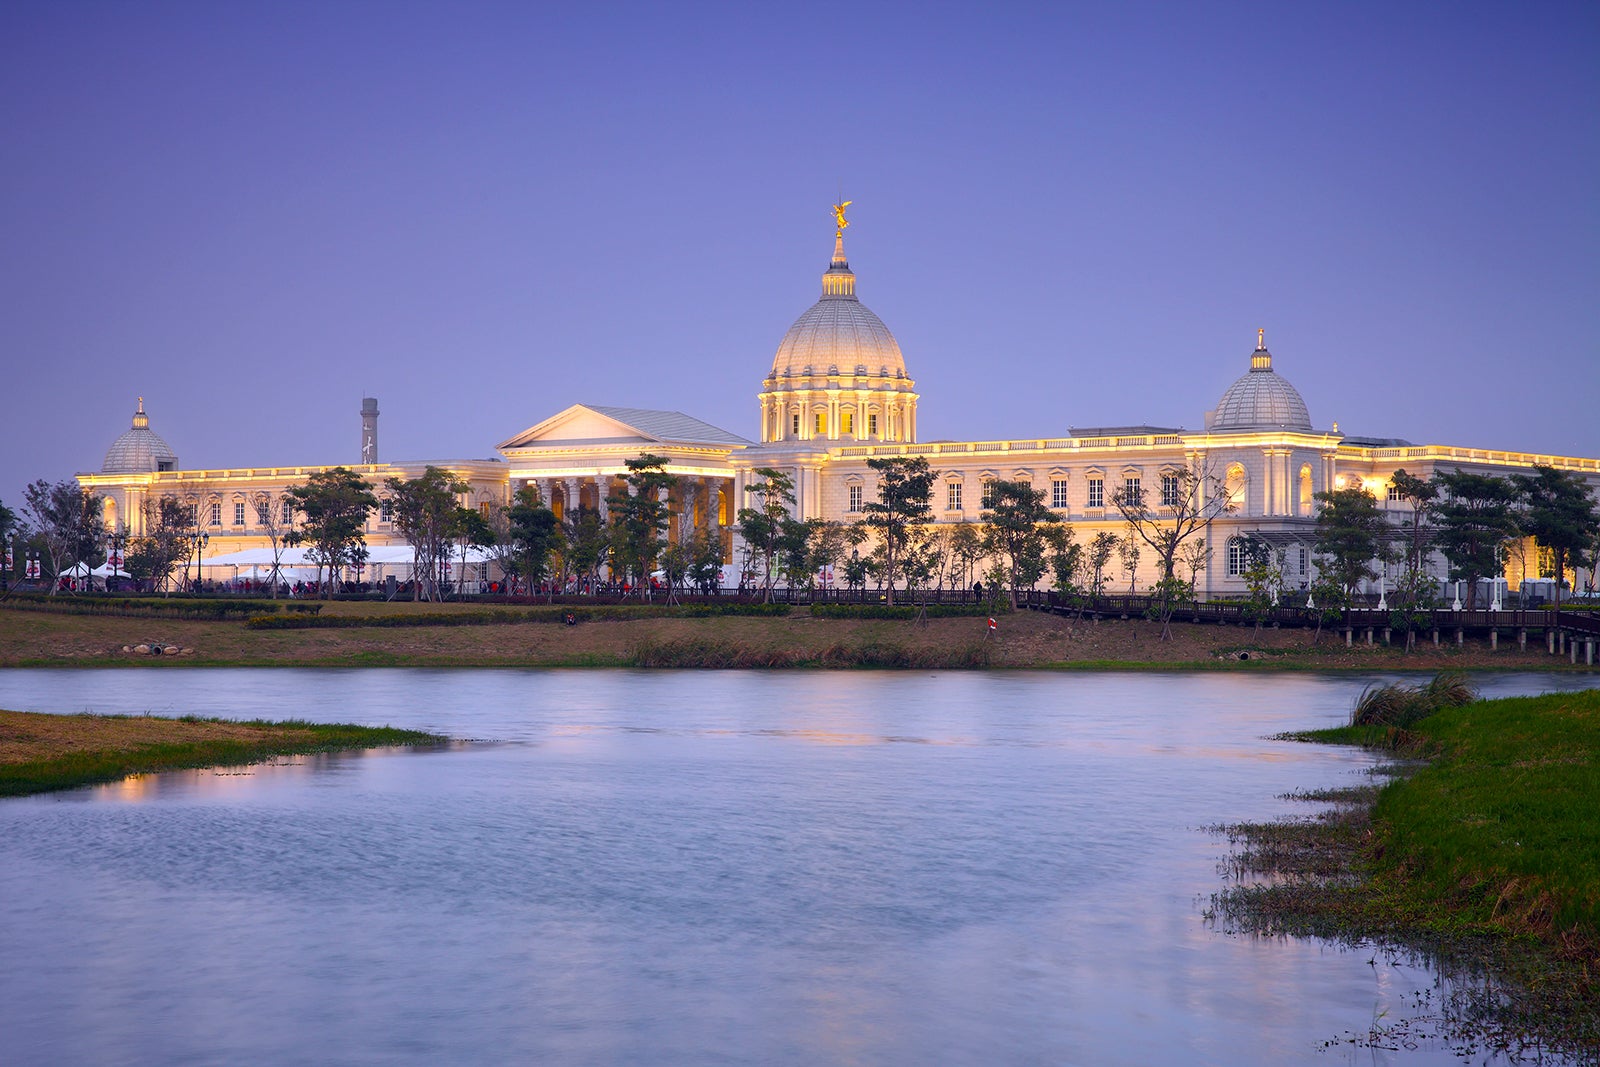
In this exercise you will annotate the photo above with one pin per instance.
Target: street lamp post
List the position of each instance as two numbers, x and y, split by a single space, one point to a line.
200 539
116 540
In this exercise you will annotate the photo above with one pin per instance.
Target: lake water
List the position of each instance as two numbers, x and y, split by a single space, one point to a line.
685 867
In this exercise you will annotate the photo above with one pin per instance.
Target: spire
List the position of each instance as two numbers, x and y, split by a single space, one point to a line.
1261 359
837 280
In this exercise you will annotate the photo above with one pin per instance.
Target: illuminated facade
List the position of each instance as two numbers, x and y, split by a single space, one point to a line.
838 394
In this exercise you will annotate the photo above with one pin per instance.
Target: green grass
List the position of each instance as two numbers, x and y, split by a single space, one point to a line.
1500 830
74 769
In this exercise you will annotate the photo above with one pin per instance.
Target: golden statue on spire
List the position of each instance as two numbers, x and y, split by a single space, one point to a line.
838 215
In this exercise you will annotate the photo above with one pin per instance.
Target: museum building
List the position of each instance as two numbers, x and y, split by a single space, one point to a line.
837 394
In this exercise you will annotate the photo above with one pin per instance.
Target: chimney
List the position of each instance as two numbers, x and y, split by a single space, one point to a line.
369 429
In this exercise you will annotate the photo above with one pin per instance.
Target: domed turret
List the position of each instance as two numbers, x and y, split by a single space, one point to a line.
139 450
1261 399
838 373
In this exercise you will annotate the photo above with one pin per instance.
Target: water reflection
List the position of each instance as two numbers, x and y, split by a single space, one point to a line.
681 868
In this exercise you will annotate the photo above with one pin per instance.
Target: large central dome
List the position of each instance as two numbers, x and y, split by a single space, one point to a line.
139 450
838 374
839 334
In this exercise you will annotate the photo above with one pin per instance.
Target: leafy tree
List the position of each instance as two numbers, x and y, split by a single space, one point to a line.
761 527
705 561
1351 534
335 503
1560 515
532 535
1128 553
858 567
10 528
154 555
1066 557
67 520
905 486
1329 599
426 511
1013 516
1411 603
640 517
270 520
965 551
584 543
1420 495
1101 549
1263 579
1476 517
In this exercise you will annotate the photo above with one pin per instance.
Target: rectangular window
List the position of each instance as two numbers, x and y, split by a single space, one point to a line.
952 496
794 425
986 497
822 424
1097 492
1394 491
288 511
238 512
1058 493
1305 561
855 498
1169 490
872 425
216 513
847 422
386 510
1131 491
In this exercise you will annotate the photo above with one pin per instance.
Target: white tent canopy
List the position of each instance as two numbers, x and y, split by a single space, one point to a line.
297 564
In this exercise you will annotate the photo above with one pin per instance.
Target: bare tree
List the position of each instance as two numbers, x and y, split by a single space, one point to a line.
271 521
1191 498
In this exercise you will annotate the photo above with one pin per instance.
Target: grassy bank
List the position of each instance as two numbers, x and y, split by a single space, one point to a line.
364 634
39 753
1484 857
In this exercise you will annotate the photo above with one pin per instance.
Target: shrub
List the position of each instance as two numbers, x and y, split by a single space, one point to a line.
1403 706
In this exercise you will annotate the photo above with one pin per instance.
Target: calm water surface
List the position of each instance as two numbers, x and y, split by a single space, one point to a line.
664 867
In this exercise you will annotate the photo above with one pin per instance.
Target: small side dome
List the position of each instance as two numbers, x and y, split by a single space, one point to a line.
140 450
1261 399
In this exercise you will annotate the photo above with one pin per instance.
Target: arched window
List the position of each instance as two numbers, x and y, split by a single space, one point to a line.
1235 484
1237 563
1305 489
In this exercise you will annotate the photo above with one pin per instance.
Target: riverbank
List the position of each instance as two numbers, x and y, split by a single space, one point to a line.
40 753
1484 859
1024 640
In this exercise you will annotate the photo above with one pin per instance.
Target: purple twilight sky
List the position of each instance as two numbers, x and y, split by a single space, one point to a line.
1069 214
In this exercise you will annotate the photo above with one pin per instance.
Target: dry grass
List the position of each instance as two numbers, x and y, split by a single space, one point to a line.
1026 639
28 736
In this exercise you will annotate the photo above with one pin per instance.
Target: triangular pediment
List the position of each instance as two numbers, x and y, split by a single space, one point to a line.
595 424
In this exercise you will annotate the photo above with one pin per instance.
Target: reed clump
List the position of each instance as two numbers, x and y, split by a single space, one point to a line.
1402 706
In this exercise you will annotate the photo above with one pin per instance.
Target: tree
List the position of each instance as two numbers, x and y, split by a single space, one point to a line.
335 503
1191 497
1263 578
966 549
66 519
271 521
427 512
1476 517
1014 514
640 517
1066 557
829 541
1128 555
905 485
761 527
1101 549
1351 533
10 529
154 555
584 543
1560 515
532 535
1420 495
1194 557
705 561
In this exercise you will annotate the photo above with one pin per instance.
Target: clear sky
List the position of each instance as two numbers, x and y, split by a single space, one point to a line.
1069 214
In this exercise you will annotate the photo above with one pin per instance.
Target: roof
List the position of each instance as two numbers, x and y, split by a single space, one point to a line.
606 424
1260 399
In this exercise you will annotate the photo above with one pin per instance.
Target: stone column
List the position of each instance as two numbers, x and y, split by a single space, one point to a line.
571 499
602 490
